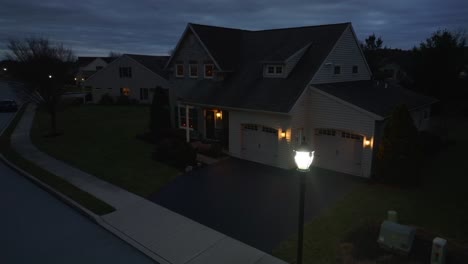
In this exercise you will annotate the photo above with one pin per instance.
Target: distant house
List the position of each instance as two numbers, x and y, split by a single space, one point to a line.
88 66
396 65
263 93
133 76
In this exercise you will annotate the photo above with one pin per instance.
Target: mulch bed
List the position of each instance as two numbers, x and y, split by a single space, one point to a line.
361 247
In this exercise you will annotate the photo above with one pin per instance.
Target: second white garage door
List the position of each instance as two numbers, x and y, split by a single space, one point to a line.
259 143
338 150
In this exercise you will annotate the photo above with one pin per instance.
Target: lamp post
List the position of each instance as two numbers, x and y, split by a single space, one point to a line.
303 158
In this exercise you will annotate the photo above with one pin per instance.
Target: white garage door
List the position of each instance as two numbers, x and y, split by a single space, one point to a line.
338 150
259 143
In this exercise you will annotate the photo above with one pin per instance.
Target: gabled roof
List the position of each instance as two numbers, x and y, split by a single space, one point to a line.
375 98
84 61
154 63
244 51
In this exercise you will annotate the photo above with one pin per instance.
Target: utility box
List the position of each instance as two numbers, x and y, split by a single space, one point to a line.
396 237
439 250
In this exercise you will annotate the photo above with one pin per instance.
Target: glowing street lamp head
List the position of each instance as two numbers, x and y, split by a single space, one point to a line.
303 158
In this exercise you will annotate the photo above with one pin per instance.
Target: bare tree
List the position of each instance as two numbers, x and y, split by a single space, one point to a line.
45 67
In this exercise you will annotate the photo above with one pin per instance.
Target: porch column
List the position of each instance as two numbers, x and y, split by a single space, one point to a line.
187 125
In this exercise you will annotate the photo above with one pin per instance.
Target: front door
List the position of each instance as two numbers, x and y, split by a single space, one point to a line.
210 124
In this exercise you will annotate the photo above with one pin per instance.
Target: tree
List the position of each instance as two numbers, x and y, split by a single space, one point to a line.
372 48
160 116
439 61
372 43
45 67
398 154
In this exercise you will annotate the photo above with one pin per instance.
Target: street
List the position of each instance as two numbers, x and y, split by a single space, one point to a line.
38 228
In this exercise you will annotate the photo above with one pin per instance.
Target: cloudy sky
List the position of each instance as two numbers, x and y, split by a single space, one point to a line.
95 27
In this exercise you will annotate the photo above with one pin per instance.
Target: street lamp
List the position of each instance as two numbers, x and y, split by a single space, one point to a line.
303 158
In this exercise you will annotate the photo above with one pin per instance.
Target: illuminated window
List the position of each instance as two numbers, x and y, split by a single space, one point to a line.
125 91
209 68
193 70
192 118
179 70
125 72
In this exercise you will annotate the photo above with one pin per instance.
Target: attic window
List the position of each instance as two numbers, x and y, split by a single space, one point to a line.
273 70
337 70
179 70
125 72
193 70
355 69
209 68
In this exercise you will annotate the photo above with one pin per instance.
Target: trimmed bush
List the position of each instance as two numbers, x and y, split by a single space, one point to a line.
175 152
106 99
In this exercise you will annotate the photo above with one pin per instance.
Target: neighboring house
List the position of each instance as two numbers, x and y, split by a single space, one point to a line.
263 93
88 66
134 76
396 65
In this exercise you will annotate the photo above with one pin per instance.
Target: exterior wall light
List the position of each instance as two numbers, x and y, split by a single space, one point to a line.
367 142
50 76
75 78
218 115
4 69
283 134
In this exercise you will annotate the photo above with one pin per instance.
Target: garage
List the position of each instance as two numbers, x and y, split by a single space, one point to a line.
338 150
259 143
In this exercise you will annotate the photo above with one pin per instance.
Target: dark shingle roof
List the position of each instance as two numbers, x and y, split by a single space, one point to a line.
376 98
244 52
154 63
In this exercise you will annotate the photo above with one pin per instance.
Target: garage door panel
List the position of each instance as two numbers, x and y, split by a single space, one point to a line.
338 150
259 143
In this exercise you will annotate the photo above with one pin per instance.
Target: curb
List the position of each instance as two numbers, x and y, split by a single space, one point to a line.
82 210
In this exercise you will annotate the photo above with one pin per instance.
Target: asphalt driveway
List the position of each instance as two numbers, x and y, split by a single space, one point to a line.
254 203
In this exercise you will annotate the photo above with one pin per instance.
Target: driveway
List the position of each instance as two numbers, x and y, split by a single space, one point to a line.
254 203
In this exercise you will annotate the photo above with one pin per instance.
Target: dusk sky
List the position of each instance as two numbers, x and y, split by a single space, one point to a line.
154 26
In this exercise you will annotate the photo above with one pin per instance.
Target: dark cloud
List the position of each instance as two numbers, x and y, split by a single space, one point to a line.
153 26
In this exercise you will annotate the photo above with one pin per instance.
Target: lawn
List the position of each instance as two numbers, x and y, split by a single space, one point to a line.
101 140
439 206
83 198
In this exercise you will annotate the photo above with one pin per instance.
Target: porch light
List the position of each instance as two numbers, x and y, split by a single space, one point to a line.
75 79
218 115
4 69
283 134
50 76
367 142
82 79
303 158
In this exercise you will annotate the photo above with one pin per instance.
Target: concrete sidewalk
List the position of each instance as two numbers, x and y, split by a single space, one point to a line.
165 236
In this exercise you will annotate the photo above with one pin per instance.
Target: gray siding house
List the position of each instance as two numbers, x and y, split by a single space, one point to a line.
263 93
134 76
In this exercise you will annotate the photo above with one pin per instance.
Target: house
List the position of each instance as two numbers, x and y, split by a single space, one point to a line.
263 93
134 76
87 66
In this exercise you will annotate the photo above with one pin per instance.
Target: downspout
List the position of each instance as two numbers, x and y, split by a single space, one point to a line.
187 125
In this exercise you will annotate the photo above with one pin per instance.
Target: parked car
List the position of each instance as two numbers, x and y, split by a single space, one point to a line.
8 106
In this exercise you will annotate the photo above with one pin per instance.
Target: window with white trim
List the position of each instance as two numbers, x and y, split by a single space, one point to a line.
179 70
193 68
209 71
125 72
273 70
192 117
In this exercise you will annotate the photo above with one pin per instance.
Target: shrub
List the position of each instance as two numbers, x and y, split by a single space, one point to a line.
123 100
398 155
429 143
175 152
106 99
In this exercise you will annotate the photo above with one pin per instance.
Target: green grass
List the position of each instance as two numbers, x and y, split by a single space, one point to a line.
83 198
101 141
440 205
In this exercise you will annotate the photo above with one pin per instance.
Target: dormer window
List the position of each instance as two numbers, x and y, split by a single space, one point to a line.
179 70
273 70
209 68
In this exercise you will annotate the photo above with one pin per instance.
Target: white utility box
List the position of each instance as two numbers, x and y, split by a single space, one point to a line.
439 250
396 237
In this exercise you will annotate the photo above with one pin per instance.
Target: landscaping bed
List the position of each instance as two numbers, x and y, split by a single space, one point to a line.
101 140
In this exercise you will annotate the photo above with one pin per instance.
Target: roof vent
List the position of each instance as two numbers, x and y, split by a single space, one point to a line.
328 63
